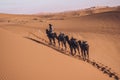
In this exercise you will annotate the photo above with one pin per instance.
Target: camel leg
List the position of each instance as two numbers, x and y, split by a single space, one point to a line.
75 51
71 50
87 50
59 43
85 54
50 41
88 53
62 44
54 41
78 51
82 53
65 45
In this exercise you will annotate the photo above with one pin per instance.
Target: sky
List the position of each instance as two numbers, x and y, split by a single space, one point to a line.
43 6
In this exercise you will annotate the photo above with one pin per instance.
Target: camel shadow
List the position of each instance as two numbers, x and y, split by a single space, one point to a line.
40 42
104 69
53 47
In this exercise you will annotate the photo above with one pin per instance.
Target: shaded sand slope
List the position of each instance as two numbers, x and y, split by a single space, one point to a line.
22 59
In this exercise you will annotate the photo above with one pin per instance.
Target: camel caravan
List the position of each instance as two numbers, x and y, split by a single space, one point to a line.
74 44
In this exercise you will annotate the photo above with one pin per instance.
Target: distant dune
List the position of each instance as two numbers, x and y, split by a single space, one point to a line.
24 59
84 12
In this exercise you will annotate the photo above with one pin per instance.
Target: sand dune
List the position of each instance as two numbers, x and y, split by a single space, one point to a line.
87 11
23 59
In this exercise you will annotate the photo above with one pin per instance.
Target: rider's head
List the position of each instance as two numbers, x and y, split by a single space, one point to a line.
50 24
72 37
84 41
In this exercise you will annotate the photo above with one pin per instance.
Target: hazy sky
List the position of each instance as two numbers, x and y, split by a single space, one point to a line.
37 6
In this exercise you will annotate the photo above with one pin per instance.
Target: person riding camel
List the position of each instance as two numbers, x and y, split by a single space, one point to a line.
50 28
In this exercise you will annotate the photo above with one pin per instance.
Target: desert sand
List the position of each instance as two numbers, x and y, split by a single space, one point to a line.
24 59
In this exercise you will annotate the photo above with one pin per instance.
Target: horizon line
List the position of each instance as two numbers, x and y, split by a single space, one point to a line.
54 12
